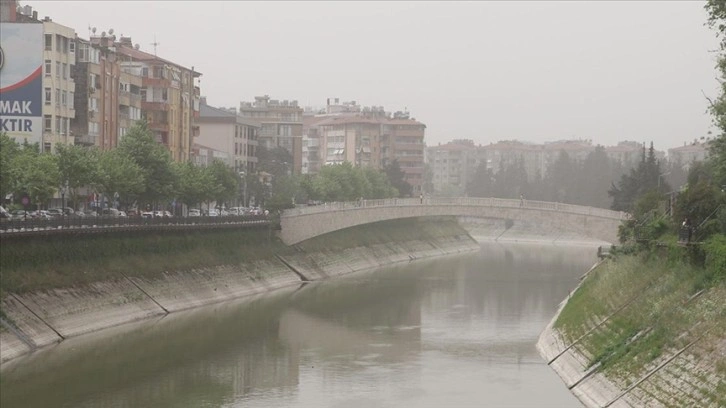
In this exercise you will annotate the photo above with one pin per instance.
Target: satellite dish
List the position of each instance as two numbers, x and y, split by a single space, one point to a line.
110 31
137 46
103 33
93 30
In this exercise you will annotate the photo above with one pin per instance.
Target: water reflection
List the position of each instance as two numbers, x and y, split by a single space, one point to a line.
449 331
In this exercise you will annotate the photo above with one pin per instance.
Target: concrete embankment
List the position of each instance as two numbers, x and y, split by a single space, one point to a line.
640 334
36 317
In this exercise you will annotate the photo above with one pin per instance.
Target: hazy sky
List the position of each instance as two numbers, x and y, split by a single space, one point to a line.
487 71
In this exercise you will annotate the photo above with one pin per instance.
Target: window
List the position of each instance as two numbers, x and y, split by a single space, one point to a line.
92 81
57 96
47 96
48 123
65 71
57 124
58 43
48 67
64 98
71 100
57 69
65 45
46 147
72 46
49 42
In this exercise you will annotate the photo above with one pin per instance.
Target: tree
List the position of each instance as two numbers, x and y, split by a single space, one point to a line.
154 160
225 181
482 184
77 167
9 150
192 183
644 178
36 175
118 174
397 178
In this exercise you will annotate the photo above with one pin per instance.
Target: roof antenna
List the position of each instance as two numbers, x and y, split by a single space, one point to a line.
155 44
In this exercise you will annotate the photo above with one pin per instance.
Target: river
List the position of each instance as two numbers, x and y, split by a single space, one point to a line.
458 331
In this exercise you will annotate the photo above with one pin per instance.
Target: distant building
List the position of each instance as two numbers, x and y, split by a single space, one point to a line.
508 152
454 164
281 125
204 155
687 154
364 137
225 131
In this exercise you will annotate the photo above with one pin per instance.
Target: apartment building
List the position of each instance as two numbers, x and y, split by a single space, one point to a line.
169 97
281 125
454 164
687 154
402 139
225 131
108 98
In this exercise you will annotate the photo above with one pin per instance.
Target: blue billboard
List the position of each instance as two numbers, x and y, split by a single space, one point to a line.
21 81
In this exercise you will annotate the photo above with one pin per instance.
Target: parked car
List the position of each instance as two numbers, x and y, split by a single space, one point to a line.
20 214
147 214
163 214
56 212
194 212
122 214
213 212
110 212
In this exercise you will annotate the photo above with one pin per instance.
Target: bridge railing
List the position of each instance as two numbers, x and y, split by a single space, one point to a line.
457 201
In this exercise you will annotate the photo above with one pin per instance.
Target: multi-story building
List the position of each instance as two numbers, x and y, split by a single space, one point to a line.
454 164
402 139
687 154
281 125
169 97
204 155
59 87
108 96
225 131
577 150
508 152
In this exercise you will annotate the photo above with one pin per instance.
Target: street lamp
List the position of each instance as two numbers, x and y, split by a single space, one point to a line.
63 201
244 188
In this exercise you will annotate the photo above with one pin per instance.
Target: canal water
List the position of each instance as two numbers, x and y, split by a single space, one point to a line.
458 331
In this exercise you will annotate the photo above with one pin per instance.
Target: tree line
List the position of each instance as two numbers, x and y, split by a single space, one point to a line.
141 173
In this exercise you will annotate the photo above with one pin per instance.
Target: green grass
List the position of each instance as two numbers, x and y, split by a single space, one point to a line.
654 312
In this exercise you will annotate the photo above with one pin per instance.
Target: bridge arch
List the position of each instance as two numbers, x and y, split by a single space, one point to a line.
302 223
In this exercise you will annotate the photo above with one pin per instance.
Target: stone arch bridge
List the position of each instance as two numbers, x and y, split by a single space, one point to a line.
302 223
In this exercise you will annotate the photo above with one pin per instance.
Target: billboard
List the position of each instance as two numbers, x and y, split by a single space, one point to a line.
21 81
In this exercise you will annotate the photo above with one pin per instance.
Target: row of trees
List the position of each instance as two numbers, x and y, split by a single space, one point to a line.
141 172
590 182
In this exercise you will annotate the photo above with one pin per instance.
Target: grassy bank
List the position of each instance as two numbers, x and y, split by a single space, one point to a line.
653 304
41 263
55 262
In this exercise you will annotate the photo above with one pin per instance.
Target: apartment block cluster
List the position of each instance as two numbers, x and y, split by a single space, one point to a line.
57 87
454 164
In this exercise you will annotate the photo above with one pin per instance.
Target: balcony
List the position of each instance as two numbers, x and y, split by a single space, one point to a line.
159 126
155 82
155 106
86 140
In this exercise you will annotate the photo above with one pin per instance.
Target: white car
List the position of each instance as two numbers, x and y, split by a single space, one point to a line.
213 213
194 212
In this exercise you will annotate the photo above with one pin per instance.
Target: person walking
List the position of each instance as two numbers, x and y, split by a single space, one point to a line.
421 196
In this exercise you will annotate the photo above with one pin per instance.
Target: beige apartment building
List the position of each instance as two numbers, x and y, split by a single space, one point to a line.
225 131
59 59
281 125
169 97
688 154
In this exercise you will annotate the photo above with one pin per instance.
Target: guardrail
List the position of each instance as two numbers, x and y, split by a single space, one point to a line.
98 224
457 201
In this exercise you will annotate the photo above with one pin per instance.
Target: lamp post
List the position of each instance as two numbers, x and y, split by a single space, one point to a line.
63 202
243 175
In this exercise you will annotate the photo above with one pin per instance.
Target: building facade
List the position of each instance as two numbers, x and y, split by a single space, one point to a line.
225 131
281 125
169 97
454 164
